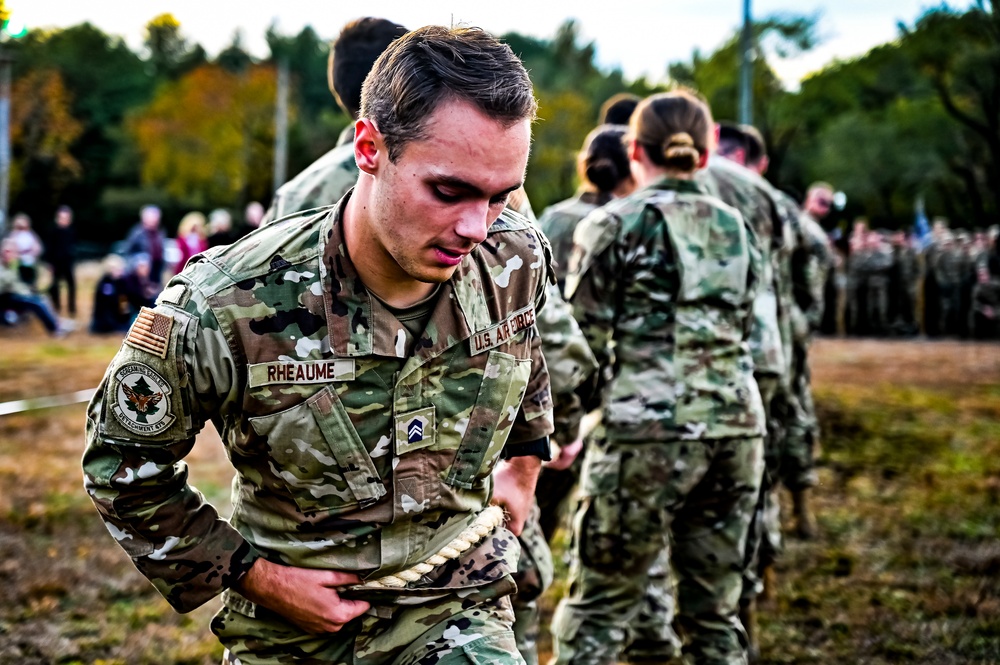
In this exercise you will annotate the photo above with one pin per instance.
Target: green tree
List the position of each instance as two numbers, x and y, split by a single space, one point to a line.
170 54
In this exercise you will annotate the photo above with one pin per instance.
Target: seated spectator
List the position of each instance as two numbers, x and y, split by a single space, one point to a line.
140 289
191 239
220 228
112 310
16 297
29 248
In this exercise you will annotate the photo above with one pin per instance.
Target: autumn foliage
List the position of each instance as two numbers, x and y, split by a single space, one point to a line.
43 129
208 138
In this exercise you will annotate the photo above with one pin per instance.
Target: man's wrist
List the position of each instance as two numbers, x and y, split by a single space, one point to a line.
538 448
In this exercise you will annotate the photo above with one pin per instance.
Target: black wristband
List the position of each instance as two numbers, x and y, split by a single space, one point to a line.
538 448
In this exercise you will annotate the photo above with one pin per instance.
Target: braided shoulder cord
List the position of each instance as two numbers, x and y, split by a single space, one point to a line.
485 523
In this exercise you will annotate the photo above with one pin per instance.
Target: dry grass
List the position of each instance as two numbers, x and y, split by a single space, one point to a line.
905 570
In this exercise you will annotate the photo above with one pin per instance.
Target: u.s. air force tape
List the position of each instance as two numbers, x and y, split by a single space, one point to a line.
500 333
306 371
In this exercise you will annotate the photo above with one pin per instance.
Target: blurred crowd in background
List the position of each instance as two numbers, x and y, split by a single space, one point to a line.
38 269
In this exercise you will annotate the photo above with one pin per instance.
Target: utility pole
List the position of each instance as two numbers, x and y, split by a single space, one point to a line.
281 126
746 67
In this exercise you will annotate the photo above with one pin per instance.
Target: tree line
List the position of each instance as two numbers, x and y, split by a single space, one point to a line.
105 129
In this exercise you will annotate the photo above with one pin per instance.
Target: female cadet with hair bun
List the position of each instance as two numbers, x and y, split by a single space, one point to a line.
603 168
662 283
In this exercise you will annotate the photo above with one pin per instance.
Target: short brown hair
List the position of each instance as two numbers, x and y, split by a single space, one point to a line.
426 66
674 128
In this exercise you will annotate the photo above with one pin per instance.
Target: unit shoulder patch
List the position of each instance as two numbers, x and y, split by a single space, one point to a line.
142 399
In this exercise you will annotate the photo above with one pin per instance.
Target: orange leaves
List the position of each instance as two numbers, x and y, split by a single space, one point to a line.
43 128
208 137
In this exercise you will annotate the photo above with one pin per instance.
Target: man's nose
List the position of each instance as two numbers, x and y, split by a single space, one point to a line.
475 221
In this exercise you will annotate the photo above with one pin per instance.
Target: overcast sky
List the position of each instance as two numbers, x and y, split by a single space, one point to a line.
640 36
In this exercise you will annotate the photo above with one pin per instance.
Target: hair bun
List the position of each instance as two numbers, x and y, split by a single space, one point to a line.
680 151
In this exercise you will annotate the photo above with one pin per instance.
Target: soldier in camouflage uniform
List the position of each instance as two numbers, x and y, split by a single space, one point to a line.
603 169
367 366
662 283
728 178
326 180
877 278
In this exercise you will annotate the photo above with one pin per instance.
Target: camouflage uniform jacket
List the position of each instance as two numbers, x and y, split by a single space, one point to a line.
811 261
662 283
322 183
558 222
751 196
351 453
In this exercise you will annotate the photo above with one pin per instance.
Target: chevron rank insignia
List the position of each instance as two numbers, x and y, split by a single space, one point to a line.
415 430
150 332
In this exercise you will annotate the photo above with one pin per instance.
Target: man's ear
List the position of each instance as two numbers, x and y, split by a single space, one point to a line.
702 160
369 148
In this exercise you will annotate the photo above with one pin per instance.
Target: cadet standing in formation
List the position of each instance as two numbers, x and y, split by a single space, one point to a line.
367 366
662 283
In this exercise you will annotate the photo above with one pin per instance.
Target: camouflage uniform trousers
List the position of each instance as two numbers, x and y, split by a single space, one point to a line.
534 575
475 629
801 427
700 495
651 639
764 540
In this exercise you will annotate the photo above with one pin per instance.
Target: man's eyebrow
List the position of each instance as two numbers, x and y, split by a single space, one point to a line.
469 188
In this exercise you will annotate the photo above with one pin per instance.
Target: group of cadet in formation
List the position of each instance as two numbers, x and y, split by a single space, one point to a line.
402 344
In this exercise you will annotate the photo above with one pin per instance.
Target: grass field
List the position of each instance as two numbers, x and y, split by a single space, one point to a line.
906 568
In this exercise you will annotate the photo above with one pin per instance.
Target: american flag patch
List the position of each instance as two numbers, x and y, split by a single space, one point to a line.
150 332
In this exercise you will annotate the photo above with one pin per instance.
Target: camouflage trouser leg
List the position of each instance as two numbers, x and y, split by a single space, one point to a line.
452 631
702 493
798 466
651 636
534 575
769 386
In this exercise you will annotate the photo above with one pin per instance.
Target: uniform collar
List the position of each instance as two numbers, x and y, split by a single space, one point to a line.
678 185
361 326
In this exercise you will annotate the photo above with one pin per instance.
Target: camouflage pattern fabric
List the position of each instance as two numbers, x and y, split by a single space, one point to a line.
558 222
358 447
433 634
570 362
700 492
662 283
322 183
751 195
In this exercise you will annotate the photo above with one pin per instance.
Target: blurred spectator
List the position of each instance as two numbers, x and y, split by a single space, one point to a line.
149 239
16 297
985 315
252 217
112 310
220 228
29 248
140 289
60 252
191 238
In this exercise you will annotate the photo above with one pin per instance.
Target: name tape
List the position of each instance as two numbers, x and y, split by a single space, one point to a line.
309 371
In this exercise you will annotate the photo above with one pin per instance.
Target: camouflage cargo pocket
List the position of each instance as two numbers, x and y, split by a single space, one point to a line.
497 404
599 519
317 457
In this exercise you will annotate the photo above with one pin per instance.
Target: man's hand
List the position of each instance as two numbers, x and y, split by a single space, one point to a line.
514 489
567 455
305 596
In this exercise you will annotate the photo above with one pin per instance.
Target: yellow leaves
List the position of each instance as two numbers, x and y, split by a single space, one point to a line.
208 137
43 128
